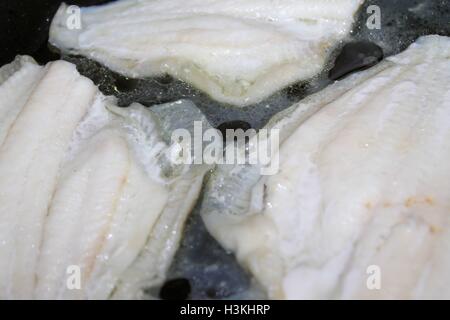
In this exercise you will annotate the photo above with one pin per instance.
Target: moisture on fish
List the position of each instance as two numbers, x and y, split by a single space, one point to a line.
362 189
238 52
86 186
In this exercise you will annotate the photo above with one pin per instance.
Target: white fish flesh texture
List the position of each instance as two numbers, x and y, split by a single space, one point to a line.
238 52
360 206
87 190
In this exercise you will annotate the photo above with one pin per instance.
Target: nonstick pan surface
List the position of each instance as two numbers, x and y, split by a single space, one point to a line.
201 268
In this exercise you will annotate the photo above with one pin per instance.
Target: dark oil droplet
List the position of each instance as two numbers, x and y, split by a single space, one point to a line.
355 56
235 124
125 84
175 289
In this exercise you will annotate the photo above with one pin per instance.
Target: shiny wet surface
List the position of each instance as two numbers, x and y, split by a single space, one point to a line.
201 268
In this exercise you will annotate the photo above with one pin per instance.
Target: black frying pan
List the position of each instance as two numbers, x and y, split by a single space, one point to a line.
201 268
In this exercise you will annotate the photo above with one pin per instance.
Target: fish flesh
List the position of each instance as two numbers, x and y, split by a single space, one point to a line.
30 155
238 52
360 205
87 188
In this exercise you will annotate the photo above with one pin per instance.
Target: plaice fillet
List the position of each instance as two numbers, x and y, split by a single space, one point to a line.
30 156
238 52
360 205
86 184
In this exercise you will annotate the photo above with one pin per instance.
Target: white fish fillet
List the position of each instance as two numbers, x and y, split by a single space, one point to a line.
363 187
30 157
239 52
83 186
18 79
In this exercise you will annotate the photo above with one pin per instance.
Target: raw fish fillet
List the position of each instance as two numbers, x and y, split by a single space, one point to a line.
360 206
238 52
86 184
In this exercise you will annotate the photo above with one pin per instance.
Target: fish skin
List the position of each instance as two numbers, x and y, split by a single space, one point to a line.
237 52
362 182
